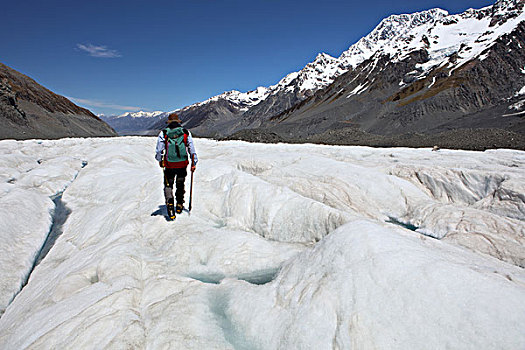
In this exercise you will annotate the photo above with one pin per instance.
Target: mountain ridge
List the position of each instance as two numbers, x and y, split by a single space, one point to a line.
29 110
431 50
314 76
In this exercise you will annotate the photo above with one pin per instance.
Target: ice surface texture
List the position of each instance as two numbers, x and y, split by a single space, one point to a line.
287 247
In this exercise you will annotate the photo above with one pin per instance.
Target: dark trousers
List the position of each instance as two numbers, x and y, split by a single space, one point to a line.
169 179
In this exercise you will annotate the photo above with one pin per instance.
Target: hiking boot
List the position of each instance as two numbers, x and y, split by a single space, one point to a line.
171 210
179 208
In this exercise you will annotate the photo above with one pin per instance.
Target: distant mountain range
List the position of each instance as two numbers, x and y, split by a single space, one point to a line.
416 78
134 123
29 110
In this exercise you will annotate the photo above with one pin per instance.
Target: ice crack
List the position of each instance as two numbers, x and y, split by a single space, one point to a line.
59 216
407 225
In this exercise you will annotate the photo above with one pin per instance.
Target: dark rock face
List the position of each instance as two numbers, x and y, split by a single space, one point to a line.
28 110
213 118
9 104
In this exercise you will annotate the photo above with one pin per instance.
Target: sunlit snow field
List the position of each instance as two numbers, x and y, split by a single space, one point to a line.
287 247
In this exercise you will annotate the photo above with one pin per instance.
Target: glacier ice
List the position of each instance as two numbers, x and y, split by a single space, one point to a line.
287 246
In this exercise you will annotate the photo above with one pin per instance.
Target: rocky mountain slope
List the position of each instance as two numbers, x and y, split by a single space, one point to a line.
454 72
226 113
28 110
414 75
219 115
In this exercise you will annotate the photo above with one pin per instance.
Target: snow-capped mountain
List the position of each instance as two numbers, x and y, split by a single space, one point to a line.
320 73
134 123
428 72
372 78
397 35
297 86
391 35
142 114
440 34
243 100
216 113
325 68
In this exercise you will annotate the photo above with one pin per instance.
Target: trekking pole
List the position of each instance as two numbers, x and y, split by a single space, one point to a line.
191 184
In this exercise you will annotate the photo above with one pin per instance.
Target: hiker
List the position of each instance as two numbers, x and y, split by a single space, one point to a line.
175 150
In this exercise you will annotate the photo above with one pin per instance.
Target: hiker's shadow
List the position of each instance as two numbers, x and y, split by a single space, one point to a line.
161 211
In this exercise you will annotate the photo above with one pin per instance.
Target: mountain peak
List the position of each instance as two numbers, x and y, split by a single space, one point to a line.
325 68
243 100
387 33
407 21
142 114
324 57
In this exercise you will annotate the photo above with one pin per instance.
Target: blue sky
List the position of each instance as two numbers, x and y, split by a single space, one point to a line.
118 56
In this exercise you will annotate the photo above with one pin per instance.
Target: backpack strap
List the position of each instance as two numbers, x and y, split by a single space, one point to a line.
186 133
165 132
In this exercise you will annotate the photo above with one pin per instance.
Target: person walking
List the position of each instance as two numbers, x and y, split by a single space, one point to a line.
174 152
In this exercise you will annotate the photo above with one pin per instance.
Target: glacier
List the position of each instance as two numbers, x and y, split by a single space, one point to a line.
287 247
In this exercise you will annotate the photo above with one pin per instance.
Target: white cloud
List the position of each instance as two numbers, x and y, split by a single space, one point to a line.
99 104
99 51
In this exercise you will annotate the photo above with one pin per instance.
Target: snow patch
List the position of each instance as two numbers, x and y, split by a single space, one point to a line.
432 83
518 105
513 114
359 89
